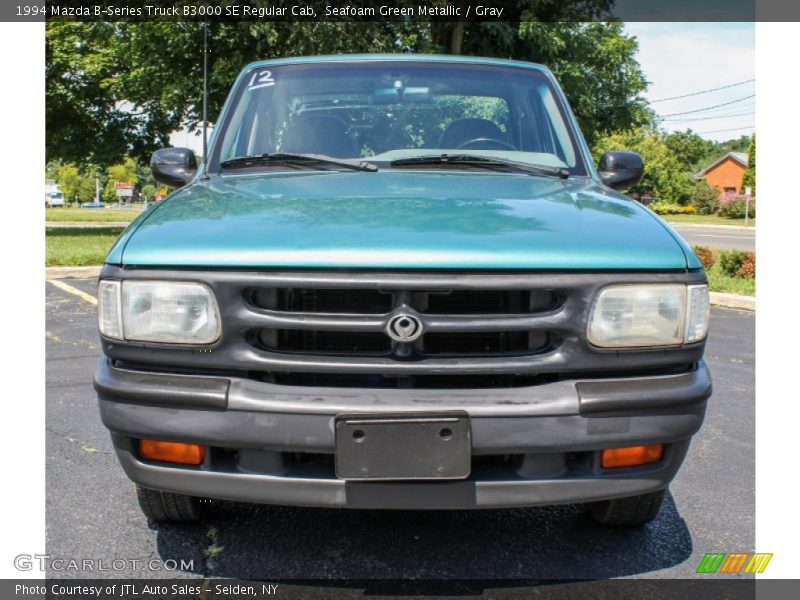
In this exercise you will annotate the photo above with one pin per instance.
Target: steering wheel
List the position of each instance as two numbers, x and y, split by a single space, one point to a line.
484 143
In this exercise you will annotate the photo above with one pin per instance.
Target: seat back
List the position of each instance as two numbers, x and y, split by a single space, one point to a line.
319 134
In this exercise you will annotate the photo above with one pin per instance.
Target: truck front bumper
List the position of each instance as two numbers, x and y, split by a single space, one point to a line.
274 444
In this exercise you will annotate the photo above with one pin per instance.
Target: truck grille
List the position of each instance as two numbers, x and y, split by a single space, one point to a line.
476 330
353 322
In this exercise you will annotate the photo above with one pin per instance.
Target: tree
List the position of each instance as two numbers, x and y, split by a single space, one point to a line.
597 68
87 189
689 149
663 176
749 178
706 198
117 89
149 191
68 179
51 169
737 145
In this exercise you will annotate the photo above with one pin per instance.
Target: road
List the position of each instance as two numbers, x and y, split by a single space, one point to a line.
91 511
717 237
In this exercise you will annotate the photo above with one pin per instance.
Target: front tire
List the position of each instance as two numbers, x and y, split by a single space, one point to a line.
628 512
166 507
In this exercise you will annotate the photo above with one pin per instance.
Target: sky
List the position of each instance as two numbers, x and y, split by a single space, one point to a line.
678 59
684 58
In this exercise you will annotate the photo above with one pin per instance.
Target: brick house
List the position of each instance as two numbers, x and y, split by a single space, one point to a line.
726 174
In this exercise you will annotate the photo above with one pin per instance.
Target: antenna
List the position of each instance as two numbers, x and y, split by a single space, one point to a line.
205 92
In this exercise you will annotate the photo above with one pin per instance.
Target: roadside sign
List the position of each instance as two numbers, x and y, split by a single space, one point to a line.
123 189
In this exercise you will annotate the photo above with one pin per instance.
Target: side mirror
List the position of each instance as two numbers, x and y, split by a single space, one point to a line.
621 170
174 167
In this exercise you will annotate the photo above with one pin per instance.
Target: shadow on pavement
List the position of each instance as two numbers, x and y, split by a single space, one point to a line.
561 542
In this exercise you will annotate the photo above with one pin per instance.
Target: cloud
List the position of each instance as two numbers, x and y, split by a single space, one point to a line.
682 58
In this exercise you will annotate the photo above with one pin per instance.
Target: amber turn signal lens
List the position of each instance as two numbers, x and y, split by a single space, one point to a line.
632 456
173 452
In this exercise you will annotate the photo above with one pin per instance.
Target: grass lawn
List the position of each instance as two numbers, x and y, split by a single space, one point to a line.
97 215
719 282
707 220
76 247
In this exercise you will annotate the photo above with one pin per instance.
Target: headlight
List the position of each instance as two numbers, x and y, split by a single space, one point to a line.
158 311
631 316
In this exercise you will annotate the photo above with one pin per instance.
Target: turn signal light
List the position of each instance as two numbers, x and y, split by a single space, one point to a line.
631 456
172 452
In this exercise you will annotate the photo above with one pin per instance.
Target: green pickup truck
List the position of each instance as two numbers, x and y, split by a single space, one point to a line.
399 282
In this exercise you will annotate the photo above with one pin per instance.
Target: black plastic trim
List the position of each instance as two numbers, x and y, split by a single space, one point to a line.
651 393
156 388
568 323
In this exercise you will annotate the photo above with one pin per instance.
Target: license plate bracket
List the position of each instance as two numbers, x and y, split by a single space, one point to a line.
403 446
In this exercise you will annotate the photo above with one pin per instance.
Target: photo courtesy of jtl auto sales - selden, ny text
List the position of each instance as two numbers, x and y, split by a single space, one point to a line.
415 300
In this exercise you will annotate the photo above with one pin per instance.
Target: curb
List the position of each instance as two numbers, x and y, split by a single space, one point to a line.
71 272
733 301
85 224
712 226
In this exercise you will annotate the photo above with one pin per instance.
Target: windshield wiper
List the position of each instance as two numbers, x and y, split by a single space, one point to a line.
489 162
311 161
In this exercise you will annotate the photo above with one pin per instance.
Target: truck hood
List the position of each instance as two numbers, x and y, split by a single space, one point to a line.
399 219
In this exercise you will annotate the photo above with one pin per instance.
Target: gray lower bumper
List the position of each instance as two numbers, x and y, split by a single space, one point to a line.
543 424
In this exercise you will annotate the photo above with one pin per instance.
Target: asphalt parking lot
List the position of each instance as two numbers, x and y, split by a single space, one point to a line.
92 512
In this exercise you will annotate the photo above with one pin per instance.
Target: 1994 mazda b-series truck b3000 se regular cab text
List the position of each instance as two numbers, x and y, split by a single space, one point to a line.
399 282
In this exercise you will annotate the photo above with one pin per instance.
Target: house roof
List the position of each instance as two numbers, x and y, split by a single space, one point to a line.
740 157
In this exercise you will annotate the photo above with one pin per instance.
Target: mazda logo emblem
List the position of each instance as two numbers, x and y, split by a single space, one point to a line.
404 328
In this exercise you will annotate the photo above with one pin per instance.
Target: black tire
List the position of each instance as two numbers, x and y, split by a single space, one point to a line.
166 507
628 512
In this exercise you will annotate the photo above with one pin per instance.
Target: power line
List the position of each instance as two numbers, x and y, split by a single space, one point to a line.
688 112
723 110
724 87
728 116
731 129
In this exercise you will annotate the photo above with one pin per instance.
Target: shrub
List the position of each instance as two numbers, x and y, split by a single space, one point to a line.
737 263
748 266
706 256
735 210
706 198
670 208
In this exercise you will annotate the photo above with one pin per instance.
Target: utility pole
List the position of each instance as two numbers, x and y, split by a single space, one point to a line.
746 204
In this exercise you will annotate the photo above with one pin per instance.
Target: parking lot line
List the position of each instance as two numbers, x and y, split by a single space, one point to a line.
75 291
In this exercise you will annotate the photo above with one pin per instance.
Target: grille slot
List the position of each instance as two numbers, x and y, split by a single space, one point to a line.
377 343
322 300
498 302
325 342
485 342
429 382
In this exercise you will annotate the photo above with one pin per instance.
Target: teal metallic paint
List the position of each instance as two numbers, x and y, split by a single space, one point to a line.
115 254
403 219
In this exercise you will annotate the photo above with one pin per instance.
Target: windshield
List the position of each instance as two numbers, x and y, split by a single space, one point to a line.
393 110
